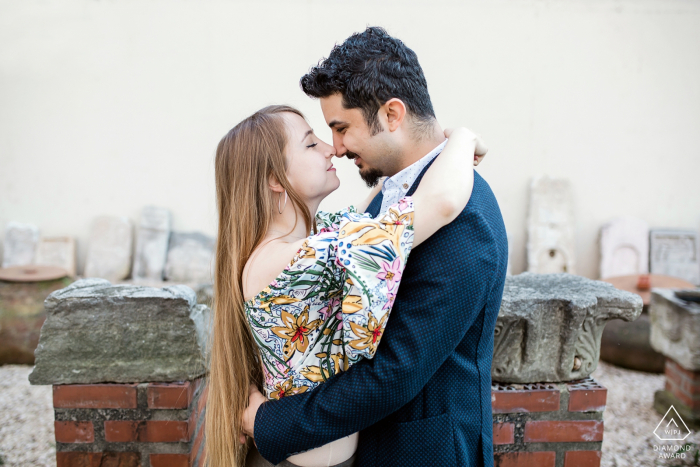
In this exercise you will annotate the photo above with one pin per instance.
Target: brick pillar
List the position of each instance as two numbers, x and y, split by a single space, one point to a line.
548 424
130 425
682 391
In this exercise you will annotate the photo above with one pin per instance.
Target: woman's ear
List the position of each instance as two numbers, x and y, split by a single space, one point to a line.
394 111
274 184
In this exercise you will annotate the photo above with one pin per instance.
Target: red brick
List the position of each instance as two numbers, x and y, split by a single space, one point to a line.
170 460
150 431
503 433
525 459
74 432
582 459
170 395
203 399
98 459
94 396
587 400
197 442
694 376
545 431
539 400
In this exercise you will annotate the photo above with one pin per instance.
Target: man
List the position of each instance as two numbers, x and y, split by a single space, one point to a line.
425 398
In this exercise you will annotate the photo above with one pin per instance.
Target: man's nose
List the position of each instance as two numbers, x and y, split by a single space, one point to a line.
339 147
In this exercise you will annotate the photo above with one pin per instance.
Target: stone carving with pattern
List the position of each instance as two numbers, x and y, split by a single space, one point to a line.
549 326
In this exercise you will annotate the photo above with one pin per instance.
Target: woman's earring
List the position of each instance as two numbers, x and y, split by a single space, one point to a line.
279 202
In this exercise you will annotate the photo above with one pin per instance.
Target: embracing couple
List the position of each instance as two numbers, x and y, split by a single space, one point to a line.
362 337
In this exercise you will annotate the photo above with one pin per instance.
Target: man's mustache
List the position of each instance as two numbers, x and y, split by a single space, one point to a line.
350 155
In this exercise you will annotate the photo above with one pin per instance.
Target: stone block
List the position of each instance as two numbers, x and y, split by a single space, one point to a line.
152 243
19 244
550 325
675 253
190 258
98 332
675 328
109 252
624 247
550 227
57 251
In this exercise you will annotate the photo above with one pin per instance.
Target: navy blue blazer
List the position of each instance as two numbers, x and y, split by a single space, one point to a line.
425 397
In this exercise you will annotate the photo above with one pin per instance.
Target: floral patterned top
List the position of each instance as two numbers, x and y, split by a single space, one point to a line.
330 305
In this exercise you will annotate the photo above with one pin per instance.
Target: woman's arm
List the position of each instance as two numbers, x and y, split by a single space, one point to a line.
362 205
446 187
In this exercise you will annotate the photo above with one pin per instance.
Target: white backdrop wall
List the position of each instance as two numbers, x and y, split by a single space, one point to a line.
106 106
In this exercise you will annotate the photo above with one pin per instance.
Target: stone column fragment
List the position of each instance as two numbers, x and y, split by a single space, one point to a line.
190 258
624 247
19 244
57 251
152 243
549 326
675 253
109 252
550 227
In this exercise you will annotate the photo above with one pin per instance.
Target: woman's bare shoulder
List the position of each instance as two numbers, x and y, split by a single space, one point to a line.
266 263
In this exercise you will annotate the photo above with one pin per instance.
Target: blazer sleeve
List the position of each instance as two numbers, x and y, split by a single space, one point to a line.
433 314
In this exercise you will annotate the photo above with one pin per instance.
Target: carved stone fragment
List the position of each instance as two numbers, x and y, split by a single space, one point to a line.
675 328
624 247
549 326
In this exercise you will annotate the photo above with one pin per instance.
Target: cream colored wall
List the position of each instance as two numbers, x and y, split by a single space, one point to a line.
109 105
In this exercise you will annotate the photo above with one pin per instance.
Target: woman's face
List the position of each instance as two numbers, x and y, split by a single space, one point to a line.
309 161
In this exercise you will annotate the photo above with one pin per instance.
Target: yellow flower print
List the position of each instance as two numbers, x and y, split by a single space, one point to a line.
295 331
352 304
286 389
374 234
368 337
316 374
280 300
304 252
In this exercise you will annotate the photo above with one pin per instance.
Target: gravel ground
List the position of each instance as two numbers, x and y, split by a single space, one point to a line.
26 420
630 420
27 436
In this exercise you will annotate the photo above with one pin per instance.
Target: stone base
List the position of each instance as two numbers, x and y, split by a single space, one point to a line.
130 425
682 392
548 424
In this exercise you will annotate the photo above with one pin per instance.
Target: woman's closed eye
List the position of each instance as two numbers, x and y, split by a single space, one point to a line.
312 145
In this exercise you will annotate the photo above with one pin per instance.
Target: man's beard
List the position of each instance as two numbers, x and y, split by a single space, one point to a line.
370 176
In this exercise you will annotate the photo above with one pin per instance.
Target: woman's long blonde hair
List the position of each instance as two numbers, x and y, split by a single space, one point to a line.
246 158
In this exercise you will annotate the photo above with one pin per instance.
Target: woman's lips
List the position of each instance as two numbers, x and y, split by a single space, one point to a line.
330 168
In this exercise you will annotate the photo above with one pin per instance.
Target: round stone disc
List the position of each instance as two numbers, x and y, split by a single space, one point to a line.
31 273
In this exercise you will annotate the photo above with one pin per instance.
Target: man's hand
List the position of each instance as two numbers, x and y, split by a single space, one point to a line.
480 150
255 400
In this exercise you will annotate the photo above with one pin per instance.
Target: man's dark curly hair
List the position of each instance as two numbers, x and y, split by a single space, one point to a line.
368 69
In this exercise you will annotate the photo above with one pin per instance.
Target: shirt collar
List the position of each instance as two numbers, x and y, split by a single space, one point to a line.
404 180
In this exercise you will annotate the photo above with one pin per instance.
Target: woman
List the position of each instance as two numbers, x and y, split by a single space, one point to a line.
293 309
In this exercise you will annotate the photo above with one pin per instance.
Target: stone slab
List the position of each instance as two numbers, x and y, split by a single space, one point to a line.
675 253
98 332
19 246
190 258
109 252
57 251
151 243
675 328
624 247
550 227
549 326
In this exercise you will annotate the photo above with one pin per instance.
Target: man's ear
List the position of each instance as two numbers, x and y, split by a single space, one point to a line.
394 110
274 184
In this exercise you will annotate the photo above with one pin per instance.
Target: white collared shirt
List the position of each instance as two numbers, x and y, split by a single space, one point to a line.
397 186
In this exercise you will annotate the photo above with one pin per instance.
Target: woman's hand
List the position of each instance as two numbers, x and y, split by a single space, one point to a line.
255 400
481 148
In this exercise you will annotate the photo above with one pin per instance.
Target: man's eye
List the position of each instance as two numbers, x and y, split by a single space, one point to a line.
312 145
341 130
